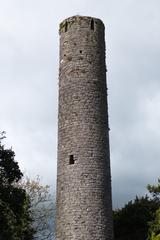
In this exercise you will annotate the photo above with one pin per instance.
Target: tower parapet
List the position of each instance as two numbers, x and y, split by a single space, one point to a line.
80 21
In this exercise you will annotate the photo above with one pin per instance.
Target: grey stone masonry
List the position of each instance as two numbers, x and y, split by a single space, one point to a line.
84 205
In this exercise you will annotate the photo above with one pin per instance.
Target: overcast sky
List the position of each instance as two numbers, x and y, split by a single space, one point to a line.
29 45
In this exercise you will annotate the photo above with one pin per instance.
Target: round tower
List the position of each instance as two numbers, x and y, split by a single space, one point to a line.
84 205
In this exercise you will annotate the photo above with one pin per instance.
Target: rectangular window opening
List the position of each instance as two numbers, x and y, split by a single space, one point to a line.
71 160
66 27
92 24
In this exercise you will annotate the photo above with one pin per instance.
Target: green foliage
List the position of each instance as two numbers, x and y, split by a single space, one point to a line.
139 219
15 220
131 222
154 229
154 237
9 169
154 190
7 222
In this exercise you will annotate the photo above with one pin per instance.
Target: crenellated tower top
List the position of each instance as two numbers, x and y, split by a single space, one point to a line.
80 21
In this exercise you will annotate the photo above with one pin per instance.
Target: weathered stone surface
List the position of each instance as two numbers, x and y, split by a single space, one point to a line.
84 206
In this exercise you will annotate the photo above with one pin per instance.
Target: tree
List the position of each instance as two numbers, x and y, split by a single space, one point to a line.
42 207
131 222
15 218
139 219
154 225
154 230
154 191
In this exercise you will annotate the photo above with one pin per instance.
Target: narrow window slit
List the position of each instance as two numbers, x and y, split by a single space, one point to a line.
92 24
71 160
66 27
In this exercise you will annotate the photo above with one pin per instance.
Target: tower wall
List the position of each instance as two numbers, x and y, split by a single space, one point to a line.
84 208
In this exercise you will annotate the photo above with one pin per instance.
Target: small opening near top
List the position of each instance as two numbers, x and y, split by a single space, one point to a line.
92 24
66 27
71 160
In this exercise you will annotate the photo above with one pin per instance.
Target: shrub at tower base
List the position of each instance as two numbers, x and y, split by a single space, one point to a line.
15 220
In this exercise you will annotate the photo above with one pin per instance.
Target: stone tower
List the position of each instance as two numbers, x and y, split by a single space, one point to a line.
84 206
